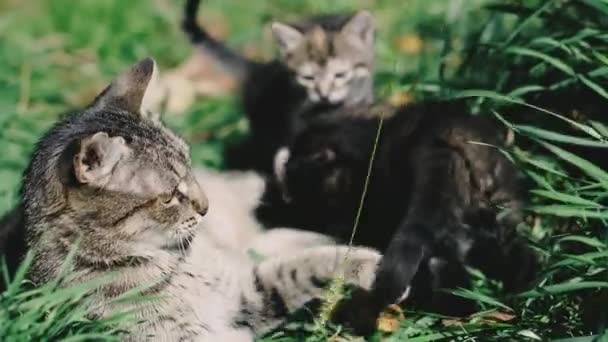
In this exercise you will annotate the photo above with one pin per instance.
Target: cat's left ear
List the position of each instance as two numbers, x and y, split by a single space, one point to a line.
97 158
288 37
133 91
361 28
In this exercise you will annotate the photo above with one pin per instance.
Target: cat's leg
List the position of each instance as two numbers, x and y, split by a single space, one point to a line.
284 241
281 285
435 197
407 250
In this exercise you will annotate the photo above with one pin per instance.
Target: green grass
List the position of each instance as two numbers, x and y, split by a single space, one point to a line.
539 65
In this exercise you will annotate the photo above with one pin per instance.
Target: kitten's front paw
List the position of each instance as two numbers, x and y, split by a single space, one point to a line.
360 266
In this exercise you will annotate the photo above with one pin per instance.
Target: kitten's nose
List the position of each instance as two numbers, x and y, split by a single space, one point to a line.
322 92
323 98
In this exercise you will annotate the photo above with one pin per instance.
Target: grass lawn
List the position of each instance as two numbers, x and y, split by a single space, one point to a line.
55 55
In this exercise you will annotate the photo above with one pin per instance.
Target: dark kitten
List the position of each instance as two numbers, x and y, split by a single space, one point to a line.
324 61
433 204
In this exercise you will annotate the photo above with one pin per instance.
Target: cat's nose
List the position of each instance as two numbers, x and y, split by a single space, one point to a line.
198 199
201 206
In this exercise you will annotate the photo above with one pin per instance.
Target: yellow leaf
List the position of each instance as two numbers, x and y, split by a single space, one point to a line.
401 98
390 319
409 44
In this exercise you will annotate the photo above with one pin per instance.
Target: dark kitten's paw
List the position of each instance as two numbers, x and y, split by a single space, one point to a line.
358 313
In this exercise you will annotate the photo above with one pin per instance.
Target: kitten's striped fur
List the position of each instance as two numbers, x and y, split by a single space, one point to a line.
331 56
324 61
116 180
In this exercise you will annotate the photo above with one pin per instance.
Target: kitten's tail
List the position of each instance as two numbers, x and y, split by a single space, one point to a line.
231 60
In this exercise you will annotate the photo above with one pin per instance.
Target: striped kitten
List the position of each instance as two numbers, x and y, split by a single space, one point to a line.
323 61
121 184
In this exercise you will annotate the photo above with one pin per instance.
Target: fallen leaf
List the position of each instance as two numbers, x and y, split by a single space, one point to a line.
529 334
499 316
390 319
401 98
410 43
452 322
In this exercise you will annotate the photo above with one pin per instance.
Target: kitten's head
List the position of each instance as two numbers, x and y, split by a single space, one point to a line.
325 166
332 57
114 176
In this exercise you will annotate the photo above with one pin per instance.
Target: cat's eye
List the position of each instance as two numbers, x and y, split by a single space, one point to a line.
307 77
340 74
172 198
166 198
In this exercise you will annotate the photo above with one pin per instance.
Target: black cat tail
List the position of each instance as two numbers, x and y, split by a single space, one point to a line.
229 59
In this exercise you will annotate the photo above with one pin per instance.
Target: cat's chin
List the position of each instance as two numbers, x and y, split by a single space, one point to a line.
182 236
180 243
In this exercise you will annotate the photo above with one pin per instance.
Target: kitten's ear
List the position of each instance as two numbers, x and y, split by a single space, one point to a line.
361 28
287 37
133 90
97 157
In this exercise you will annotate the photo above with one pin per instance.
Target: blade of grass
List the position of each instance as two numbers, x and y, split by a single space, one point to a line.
559 137
584 165
566 198
563 288
569 211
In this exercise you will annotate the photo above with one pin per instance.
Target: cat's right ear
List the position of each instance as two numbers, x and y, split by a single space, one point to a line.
361 28
97 157
133 90
286 36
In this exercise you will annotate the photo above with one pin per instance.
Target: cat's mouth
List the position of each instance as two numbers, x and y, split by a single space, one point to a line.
182 237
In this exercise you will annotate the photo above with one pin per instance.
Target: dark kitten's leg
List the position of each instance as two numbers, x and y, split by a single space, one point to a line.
447 274
408 248
500 253
12 240
406 252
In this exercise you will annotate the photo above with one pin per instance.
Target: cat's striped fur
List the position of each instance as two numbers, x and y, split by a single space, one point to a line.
118 182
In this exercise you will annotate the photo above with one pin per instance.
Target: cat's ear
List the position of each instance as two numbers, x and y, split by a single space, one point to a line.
133 90
361 28
288 37
97 157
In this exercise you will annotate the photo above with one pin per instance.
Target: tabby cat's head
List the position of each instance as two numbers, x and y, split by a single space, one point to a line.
113 176
332 57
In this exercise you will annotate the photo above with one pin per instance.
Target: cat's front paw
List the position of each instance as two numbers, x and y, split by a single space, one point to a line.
360 266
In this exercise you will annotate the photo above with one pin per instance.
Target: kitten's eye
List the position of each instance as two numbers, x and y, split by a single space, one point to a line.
307 77
340 74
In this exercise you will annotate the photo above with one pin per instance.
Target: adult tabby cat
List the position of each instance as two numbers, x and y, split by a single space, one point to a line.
324 61
435 201
118 182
